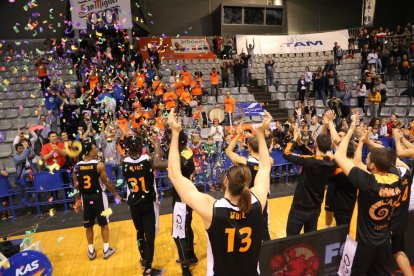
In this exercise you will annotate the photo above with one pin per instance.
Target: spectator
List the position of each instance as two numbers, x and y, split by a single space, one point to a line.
315 126
184 100
214 83
308 79
404 67
301 88
228 46
41 65
217 134
393 123
196 90
250 51
319 87
331 83
383 91
225 74
5 202
310 109
269 72
345 97
245 69
52 104
186 76
54 151
298 113
237 71
23 159
200 116
374 100
229 106
278 132
338 53
361 94
372 58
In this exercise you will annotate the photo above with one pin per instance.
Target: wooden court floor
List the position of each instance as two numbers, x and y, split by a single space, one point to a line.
67 248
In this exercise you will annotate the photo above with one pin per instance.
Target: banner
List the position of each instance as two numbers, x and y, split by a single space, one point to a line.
28 262
176 48
251 109
315 253
368 13
101 14
290 44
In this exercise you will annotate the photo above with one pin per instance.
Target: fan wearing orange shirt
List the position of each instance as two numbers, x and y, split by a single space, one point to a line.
93 80
178 85
41 66
185 100
214 83
229 106
196 90
139 79
200 116
169 99
158 89
186 76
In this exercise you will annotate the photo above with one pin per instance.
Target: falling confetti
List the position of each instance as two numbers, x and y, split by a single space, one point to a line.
51 213
107 212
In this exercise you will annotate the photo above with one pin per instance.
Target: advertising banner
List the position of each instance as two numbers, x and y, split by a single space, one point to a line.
368 13
28 262
315 253
176 48
251 109
291 44
101 14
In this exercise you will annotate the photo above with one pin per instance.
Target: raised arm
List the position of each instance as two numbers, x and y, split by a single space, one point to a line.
332 129
340 155
262 180
401 153
234 157
200 202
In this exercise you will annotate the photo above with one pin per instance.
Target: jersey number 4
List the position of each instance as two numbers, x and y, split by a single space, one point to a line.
134 183
245 243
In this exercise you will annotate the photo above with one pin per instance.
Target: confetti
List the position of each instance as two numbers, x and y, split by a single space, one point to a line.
107 212
51 212
55 166
72 194
60 239
5 264
119 182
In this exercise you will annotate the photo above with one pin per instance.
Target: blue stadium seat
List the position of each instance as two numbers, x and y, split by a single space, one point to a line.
12 195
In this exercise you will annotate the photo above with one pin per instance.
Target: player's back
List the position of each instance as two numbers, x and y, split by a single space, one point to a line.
88 177
235 239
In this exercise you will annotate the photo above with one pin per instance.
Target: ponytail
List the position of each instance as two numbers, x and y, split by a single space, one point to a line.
239 178
245 202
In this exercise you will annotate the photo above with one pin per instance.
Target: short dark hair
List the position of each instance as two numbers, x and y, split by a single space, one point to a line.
18 145
383 158
134 144
50 133
324 142
254 144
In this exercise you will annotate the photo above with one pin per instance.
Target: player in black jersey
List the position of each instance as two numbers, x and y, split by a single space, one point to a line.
252 162
137 169
234 223
182 233
317 168
379 189
400 215
90 178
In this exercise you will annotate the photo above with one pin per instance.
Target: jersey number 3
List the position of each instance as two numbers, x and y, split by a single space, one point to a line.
87 182
245 243
134 183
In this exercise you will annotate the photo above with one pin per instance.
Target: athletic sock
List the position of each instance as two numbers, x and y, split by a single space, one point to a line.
106 246
90 248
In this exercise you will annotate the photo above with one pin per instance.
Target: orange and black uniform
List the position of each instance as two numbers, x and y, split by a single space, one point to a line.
371 220
310 190
141 195
399 217
341 195
94 199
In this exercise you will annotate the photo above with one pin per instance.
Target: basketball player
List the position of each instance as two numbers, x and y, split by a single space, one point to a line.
182 213
234 223
137 169
379 189
252 162
90 178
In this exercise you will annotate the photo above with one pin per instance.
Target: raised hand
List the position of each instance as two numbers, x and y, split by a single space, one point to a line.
174 124
396 133
267 119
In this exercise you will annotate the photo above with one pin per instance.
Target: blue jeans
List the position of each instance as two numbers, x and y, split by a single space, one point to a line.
215 90
245 76
320 94
298 219
269 79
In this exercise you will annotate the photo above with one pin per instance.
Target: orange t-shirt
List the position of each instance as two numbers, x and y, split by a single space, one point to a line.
179 88
229 104
186 97
139 80
186 78
159 122
93 80
157 88
197 114
196 91
169 99
214 78
41 70
123 124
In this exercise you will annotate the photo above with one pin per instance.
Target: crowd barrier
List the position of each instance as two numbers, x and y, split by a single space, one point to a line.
315 253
